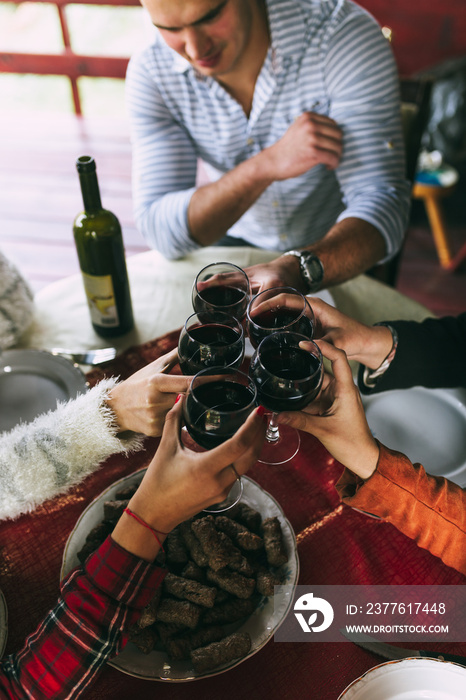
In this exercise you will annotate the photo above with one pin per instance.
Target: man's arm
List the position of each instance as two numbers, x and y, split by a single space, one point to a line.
363 91
311 140
173 215
350 247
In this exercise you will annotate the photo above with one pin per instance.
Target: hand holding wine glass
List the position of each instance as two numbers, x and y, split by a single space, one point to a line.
210 339
217 404
337 417
287 378
179 483
223 287
279 309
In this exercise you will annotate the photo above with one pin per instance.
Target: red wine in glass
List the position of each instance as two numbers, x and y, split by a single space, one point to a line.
215 411
223 287
287 378
210 339
279 309
218 402
291 379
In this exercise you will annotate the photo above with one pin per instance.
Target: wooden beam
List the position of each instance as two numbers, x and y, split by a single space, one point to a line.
67 63
61 3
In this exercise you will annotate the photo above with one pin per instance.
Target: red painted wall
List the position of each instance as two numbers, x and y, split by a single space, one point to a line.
425 32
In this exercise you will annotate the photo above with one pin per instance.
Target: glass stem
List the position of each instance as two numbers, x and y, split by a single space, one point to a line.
272 434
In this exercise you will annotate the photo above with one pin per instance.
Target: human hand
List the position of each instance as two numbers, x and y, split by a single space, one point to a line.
337 417
368 345
141 402
312 139
284 271
179 482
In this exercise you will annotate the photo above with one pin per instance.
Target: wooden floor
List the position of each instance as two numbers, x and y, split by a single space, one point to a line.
40 196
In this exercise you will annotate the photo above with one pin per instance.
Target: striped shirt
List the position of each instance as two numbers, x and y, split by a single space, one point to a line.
326 56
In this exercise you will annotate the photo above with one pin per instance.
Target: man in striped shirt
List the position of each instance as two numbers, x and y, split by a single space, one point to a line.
293 108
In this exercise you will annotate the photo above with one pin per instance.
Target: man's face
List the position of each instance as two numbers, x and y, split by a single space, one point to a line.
211 34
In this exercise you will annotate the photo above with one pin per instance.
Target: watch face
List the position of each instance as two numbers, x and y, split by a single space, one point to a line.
313 268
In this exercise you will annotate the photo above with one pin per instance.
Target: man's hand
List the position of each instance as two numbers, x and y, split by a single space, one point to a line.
141 402
282 272
311 140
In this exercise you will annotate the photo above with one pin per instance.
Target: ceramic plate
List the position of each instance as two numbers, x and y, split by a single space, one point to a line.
410 679
427 425
3 624
32 381
262 623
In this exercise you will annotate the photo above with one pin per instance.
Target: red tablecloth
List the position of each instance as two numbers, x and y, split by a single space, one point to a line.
336 546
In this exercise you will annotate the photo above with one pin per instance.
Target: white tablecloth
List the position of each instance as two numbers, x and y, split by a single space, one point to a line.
161 294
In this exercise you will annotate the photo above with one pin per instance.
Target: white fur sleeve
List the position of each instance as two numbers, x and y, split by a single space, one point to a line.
57 450
16 304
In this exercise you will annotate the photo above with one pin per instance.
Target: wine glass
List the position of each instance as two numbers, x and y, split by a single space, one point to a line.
287 378
279 309
221 286
218 402
209 339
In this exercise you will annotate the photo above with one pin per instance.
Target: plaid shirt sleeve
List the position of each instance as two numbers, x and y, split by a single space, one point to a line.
86 627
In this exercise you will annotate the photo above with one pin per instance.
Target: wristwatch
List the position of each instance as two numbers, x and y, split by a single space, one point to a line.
312 269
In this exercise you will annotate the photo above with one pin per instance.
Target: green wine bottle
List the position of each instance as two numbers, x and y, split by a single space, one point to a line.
99 243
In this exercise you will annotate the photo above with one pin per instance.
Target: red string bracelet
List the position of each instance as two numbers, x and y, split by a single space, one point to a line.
144 524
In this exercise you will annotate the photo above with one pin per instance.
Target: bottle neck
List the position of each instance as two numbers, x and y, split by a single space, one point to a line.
90 191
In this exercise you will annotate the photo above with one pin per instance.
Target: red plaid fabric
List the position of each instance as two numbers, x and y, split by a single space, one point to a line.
86 627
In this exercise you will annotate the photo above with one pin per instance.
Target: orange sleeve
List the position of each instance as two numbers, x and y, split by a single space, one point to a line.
429 509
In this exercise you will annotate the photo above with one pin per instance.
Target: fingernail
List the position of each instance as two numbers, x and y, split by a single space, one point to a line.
260 411
178 398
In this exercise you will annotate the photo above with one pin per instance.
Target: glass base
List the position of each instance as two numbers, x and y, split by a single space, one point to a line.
281 450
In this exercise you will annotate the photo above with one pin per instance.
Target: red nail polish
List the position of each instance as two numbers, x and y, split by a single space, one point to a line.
178 398
260 411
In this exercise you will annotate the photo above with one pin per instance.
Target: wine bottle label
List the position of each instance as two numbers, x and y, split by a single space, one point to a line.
101 300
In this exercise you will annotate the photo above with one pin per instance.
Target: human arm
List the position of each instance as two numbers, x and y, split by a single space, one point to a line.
431 510
16 304
85 628
172 214
60 448
349 248
312 139
99 603
363 98
429 353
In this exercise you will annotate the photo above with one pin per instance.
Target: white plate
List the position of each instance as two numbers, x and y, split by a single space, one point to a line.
262 623
3 624
410 679
427 425
31 383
